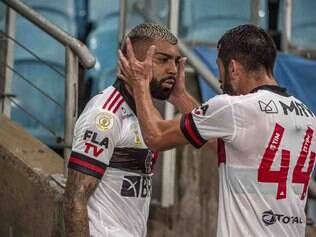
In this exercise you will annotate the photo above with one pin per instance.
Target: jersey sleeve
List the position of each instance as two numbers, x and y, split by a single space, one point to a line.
213 119
95 136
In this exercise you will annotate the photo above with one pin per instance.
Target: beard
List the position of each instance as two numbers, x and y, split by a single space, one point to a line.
158 91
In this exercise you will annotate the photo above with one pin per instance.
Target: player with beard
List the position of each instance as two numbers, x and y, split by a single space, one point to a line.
266 137
109 178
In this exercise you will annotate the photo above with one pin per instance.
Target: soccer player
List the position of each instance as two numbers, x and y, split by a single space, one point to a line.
266 140
109 179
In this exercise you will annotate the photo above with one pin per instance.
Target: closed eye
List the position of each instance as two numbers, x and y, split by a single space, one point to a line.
163 60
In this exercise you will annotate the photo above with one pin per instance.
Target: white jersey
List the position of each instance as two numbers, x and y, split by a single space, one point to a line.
108 145
266 154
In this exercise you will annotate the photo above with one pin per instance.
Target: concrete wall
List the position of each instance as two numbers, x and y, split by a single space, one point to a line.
30 200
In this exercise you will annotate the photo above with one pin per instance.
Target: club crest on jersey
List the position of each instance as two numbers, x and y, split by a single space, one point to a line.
104 121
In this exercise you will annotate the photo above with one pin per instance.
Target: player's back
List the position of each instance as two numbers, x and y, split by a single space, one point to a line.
265 165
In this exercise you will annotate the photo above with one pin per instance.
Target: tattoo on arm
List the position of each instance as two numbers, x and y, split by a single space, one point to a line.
78 190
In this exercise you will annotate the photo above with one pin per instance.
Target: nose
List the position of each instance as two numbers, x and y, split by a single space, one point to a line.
172 67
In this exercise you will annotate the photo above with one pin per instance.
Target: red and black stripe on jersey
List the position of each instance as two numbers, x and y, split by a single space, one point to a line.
86 165
117 97
190 131
114 101
221 153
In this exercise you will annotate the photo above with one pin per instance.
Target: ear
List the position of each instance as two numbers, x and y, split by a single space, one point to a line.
234 69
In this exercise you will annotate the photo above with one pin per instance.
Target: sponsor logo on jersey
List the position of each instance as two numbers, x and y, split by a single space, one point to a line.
94 138
94 143
104 121
136 186
201 110
125 114
148 162
269 108
296 107
270 218
299 108
124 111
137 138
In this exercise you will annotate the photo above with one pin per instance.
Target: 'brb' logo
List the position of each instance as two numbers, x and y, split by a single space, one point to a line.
136 186
270 218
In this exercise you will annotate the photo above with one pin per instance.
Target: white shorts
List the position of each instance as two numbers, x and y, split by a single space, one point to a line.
111 232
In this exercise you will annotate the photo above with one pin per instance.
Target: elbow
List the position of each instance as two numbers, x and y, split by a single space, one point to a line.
153 143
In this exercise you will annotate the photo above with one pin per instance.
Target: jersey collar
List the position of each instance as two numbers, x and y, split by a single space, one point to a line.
273 88
119 85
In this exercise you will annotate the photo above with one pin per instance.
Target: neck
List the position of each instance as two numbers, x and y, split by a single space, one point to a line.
253 82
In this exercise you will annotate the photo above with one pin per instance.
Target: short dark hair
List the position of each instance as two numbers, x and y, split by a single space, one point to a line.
149 32
250 45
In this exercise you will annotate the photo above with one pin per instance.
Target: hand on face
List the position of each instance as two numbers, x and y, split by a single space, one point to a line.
179 87
134 72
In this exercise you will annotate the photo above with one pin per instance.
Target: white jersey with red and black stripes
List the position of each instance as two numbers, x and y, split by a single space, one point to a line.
108 145
266 153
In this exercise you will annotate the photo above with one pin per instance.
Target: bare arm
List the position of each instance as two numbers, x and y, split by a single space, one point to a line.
180 97
184 102
78 190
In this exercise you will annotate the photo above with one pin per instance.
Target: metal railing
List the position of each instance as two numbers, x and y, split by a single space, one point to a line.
288 44
75 51
287 25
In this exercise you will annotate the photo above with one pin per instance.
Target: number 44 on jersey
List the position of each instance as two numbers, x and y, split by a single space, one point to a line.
265 174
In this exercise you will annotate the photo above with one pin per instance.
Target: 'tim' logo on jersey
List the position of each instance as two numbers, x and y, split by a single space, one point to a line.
94 144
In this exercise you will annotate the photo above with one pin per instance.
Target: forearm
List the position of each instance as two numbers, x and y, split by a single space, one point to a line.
78 190
148 116
76 217
185 103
